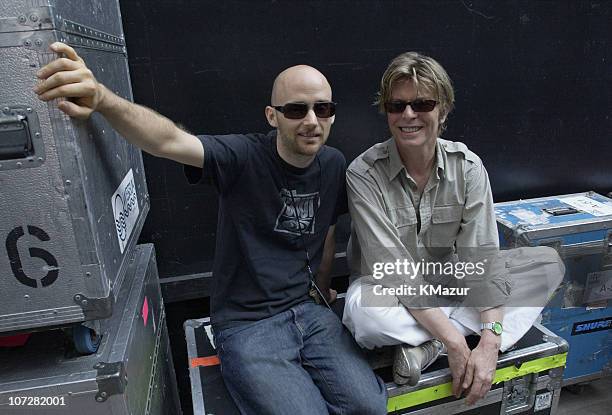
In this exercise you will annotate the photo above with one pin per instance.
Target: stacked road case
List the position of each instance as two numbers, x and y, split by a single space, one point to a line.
74 197
132 372
73 203
527 380
579 227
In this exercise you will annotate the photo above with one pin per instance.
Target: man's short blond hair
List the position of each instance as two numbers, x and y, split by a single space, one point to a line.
426 73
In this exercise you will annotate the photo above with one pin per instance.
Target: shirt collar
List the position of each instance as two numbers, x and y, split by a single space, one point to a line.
395 161
396 165
439 160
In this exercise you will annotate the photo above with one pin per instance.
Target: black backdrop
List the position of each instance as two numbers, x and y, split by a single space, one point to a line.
532 79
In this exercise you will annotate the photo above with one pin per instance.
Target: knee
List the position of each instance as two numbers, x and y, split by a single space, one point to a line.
365 323
362 308
549 254
553 262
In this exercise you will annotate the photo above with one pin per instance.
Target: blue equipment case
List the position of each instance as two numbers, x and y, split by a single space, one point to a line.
579 227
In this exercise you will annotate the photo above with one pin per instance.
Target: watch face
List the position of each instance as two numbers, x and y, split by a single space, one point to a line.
497 328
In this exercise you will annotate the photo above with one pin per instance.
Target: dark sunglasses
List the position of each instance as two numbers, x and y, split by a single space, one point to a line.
298 110
419 105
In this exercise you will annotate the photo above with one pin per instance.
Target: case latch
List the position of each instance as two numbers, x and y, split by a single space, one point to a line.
519 394
21 144
15 140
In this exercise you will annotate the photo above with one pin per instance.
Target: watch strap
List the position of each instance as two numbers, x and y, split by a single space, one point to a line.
492 326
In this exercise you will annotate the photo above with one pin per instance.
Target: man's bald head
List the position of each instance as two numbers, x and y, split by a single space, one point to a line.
299 139
298 79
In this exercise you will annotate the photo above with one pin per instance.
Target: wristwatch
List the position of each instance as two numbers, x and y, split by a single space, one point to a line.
495 326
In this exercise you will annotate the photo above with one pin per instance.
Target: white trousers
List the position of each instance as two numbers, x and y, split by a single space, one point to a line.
534 272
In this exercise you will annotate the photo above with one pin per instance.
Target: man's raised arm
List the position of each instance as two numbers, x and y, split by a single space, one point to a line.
69 77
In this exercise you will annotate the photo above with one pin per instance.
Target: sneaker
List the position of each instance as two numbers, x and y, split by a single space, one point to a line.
409 361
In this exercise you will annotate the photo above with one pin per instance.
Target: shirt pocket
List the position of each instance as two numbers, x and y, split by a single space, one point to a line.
446 221
405 220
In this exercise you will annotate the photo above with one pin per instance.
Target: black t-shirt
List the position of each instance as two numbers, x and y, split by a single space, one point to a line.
260 258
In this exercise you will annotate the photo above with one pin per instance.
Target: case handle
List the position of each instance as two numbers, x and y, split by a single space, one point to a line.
21 144
561 210
15 137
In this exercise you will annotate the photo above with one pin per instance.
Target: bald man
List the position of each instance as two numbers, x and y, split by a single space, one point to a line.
279 197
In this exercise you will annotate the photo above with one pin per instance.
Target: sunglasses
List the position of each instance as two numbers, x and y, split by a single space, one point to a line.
298 110
419 105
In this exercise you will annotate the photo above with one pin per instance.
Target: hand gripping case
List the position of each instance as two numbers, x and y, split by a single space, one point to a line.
73 193
579 227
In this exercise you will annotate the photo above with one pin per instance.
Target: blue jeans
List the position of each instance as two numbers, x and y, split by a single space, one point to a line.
301 361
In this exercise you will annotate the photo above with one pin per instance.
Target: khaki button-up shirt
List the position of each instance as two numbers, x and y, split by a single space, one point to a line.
452 220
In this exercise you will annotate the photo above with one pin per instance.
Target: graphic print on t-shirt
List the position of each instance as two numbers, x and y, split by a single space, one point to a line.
292 219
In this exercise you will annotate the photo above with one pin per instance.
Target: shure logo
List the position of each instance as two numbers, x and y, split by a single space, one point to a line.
591 326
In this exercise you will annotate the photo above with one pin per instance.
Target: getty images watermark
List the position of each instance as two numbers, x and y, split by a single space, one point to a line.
439 270
447 276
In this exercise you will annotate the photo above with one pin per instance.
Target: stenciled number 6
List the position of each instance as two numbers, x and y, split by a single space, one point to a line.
17 267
